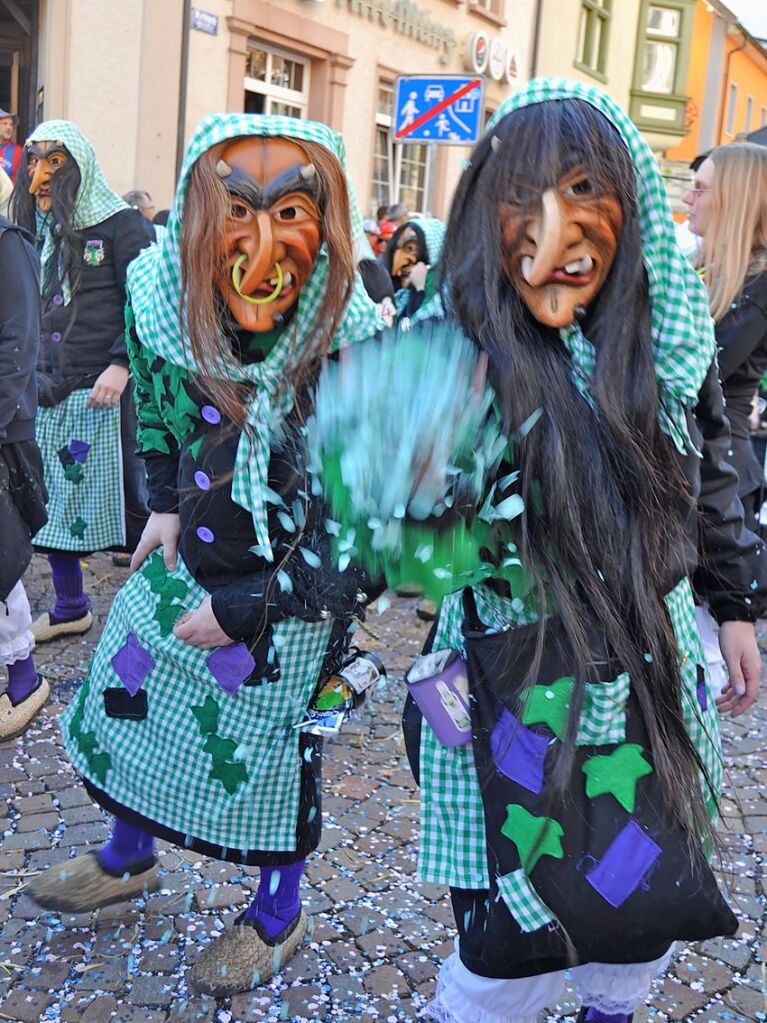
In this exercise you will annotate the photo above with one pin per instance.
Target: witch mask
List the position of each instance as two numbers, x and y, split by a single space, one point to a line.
406 254
43 160
273 230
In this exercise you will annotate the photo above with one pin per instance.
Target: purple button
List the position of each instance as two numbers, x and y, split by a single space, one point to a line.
56 336
202 480
211 414
205 534
58 300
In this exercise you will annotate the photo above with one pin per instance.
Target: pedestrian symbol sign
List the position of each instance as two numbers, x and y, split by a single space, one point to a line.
446 109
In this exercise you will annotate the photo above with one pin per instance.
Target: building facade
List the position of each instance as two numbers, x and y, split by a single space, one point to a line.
137 76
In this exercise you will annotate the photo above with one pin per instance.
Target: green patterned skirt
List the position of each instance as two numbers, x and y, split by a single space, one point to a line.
192 739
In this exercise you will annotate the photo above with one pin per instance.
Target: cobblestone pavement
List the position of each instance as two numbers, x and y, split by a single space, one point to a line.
377 937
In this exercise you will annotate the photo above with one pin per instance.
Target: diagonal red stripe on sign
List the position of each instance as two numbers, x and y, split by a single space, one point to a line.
448 101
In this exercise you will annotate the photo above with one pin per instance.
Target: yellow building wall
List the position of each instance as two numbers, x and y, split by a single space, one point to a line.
703 22
748 70
559 41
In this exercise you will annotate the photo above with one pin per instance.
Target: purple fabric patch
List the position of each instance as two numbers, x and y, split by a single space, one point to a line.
230 666
518 752
79 449
623 866
132 664
702 694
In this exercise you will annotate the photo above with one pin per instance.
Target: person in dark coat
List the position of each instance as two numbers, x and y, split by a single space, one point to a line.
22 494
86 426
728 210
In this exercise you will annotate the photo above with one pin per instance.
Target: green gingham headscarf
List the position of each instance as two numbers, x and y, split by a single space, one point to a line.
682 328
95 200
154 284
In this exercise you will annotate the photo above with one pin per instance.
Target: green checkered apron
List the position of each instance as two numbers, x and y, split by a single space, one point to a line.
209 764
82 459
95 200
205 762
453 848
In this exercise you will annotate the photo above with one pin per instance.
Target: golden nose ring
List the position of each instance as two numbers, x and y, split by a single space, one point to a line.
237 281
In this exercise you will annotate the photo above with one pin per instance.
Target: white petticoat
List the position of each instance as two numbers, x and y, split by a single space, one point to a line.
465 997
16 639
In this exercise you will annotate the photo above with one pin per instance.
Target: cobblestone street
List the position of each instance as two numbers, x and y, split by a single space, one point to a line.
377 936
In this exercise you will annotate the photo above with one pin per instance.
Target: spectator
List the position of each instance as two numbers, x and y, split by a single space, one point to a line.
733 229
10 151
141 201
398 214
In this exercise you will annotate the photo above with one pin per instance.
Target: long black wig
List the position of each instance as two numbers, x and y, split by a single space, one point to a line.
604 493
68 245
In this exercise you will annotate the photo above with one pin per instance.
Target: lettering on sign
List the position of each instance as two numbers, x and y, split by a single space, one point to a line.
407 19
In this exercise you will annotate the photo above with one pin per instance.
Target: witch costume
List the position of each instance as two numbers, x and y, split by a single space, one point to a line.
417 241
543 753
95 481
203 747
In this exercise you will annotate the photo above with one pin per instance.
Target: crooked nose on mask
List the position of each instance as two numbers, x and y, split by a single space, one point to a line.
259 255
547 231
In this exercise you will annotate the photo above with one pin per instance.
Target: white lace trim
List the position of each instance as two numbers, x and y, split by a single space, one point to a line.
615 987
452 1004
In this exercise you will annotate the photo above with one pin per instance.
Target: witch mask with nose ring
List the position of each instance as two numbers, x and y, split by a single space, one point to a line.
274 229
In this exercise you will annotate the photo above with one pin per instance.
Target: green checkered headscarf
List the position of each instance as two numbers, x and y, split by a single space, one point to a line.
682 328
154 284
95 200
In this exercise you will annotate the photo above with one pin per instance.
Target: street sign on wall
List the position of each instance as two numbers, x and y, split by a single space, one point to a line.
445 109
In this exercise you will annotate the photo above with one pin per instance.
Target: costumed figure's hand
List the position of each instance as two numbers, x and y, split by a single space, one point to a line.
417 276
737 642
162 530
108 388
200 628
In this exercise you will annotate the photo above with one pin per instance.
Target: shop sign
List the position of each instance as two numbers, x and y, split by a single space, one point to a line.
408 19
205 21
495 57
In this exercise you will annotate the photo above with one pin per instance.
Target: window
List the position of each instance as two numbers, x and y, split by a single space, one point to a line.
593 36
731 105
749 113
661 50
400 173
275 82
491 6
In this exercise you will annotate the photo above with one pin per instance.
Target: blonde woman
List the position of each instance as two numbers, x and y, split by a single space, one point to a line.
728 211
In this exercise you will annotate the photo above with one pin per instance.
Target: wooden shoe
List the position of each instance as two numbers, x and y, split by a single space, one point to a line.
14 719
81 885
46 627
245 956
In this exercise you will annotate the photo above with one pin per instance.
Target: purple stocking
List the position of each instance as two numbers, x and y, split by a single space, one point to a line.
22 680
129 849
277 902
71 600
590 1014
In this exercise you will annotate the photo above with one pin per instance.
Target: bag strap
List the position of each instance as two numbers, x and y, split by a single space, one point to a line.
471 620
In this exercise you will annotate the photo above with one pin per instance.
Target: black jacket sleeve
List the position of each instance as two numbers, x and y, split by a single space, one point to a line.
732 568
133 232
301 591
744 328
19 322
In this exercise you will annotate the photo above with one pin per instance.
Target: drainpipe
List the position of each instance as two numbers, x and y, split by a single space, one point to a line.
536 37
725 83
186 18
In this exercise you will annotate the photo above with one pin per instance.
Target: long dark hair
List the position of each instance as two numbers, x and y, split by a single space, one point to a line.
68 245
205 213
604 493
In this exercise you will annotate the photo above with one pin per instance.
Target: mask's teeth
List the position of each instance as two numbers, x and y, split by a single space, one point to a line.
573 268
287 280
526 265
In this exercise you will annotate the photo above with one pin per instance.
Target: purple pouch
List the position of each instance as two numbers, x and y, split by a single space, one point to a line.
443 700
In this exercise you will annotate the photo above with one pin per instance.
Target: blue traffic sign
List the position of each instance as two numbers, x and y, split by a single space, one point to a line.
446 109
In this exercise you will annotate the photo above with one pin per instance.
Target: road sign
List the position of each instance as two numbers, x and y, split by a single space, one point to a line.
446 109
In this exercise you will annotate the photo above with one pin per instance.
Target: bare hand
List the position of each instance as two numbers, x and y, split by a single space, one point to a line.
162 530
737 642
417 276
108 388
200 628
